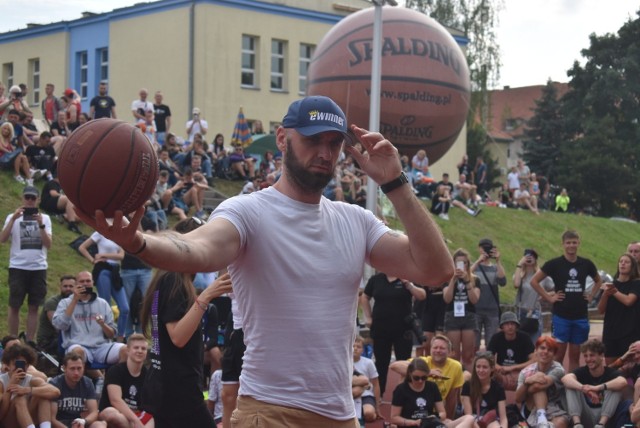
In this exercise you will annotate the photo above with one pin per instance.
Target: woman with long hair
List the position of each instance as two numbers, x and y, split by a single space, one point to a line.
528 306
460 295
483 396
415 400
11 156
621 309
171 315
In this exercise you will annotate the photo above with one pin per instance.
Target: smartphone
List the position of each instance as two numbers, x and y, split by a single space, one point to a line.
21 364
28 213
87 290
460 265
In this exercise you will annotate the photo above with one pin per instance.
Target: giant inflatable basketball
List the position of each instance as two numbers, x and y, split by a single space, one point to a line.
425 79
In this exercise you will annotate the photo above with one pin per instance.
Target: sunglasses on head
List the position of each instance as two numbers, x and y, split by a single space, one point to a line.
197 221
30 197
419 378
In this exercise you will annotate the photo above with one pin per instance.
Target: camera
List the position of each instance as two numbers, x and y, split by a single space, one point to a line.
87 290
487 249
29 213
414 328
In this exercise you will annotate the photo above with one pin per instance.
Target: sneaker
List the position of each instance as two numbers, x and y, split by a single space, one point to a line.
200 214
441 215
19 179
29 181
445 216
476 212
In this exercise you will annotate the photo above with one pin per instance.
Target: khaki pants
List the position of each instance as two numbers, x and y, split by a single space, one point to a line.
251 413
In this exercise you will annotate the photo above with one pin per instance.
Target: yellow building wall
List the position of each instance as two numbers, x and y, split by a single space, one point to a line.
53 55
150 51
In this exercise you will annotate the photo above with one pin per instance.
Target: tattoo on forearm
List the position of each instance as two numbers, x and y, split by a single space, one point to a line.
180 244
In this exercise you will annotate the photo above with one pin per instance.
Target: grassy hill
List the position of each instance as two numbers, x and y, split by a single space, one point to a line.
603 240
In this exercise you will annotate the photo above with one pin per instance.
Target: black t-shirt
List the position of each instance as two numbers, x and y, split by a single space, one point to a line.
132 262
585 378
131 386
41 157
162 112
47 202
180 369
570 278
511 352
621 321
489 400
416 405
448 184
460 294
392 303
102 106
61 130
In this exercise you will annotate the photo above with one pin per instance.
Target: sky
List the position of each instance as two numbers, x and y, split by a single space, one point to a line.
539 39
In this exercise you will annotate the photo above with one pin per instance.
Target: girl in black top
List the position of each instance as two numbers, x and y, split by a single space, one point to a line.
417 399
173 388
462 292
483 396
620 306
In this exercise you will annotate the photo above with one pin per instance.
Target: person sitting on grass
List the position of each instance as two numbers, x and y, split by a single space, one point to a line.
482 396
24 399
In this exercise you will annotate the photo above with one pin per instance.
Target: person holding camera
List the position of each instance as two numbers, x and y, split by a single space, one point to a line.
87 326
528 306
461 295
196 125
391 319
30 233
491 276
14 102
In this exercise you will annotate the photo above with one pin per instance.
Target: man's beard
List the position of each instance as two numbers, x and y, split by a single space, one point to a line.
307 181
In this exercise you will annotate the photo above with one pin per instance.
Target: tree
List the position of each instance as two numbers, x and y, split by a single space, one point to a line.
544 134
600 161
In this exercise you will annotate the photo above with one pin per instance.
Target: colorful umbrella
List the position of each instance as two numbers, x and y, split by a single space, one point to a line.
241 132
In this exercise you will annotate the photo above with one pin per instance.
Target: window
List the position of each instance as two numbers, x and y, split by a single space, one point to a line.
83 62
249 47
7 74
34 70
103 71
278 53
306 52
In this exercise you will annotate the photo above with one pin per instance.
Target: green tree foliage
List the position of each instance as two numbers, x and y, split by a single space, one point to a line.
599 159
544 134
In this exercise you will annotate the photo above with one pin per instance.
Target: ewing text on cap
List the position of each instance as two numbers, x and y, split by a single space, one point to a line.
313 115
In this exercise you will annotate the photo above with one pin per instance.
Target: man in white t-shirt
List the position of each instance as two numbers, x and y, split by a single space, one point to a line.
140 106
196 125
296 260
30 234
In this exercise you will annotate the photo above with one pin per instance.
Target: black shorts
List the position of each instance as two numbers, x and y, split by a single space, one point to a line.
23 282
433 315
232 357
51 205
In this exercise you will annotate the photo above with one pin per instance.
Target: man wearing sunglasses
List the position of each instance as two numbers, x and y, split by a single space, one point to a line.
296 260
30 233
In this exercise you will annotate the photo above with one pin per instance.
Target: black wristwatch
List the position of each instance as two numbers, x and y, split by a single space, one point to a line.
394 184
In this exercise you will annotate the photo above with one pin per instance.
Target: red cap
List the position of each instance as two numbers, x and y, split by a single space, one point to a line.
68 92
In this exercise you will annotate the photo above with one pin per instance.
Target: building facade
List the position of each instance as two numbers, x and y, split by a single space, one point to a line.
217 55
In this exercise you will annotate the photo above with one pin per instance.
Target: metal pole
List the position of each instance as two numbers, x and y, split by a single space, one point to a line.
374 106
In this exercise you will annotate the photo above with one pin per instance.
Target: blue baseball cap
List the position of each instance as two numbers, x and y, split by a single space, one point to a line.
315 114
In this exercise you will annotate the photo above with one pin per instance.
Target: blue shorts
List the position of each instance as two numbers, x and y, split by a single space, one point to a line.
570 331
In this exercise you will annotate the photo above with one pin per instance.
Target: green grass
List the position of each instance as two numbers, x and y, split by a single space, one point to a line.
603 240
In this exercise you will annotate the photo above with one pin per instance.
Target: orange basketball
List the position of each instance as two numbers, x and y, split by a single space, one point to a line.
108 165
425 87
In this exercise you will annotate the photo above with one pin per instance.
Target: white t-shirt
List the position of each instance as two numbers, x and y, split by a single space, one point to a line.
27 251
296 280
366 367
141 105
197 128
521 194
514 181
105 246
215 393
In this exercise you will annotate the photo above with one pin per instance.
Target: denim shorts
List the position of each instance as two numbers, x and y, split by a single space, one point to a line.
467 322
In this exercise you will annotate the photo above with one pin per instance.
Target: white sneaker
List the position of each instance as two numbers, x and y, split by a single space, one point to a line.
441 215
29 181
445 216
19 179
